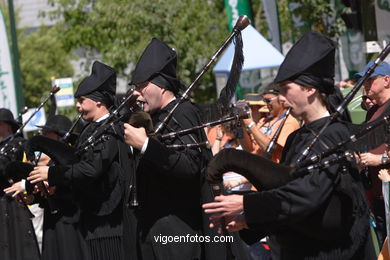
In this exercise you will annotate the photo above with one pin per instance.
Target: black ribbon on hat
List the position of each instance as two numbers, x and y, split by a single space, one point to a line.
323 84
101 96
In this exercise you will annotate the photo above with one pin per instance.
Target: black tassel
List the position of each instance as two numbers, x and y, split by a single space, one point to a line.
214 111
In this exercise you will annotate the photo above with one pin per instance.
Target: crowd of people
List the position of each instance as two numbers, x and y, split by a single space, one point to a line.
117 188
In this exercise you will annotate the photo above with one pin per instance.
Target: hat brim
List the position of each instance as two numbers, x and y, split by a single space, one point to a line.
361 74
256 103
264 110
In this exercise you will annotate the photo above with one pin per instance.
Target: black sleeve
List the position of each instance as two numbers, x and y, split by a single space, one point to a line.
298 198
181 163
291 202
92 165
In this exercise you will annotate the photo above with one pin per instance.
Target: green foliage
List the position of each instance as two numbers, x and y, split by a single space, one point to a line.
321 15
117 31
318 15
120 30
286 27
41 58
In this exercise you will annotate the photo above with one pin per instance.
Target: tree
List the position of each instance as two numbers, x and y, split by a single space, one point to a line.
118 31
298 16
41 58
322 16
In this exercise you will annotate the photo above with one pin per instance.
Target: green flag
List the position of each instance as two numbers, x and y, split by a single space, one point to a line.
235 8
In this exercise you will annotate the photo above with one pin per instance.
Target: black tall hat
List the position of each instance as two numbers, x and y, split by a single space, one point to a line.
310 62
101 80
7 116
157 65
58 123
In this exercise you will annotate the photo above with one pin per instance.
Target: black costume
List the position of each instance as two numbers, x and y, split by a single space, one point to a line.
168 180
169 189
97 179
61 228
322 215
17 236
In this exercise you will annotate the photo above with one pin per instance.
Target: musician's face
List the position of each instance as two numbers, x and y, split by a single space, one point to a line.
5 129
151 95
88 107
375 86
295 96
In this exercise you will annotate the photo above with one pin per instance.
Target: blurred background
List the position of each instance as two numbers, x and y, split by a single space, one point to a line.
54 42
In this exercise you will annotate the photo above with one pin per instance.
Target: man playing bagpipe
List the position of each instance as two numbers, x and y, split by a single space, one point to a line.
320 215
168 180
96 178
17 236
61 215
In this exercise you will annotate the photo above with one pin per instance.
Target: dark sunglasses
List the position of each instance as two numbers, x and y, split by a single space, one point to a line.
269 100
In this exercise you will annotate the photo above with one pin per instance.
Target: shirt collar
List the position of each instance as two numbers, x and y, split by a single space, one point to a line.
102 118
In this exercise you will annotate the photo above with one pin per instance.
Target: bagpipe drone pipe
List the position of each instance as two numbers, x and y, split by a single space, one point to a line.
59 151
264 174
343 106
209 112
130 111
16 170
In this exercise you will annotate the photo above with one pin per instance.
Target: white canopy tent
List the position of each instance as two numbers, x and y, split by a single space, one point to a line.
258 54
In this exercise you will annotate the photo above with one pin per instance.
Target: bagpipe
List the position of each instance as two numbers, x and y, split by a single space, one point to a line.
20 170
137 118
211 114
217 112
62 154
341 108
15 171
238 111
68 135
228 92
265 174
7 147
131 111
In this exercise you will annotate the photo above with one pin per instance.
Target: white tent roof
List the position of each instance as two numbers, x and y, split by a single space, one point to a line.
258 53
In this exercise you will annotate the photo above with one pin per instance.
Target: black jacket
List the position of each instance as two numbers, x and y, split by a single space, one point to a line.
17 236
97 183
169 188
322 215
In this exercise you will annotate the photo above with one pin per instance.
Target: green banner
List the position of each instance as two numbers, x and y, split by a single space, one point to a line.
235 8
